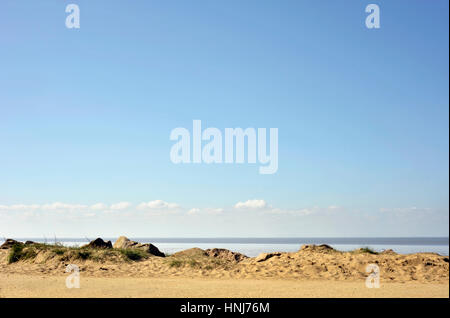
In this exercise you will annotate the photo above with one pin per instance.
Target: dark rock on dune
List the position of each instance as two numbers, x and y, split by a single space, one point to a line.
219 253
152 249
225 254
9 243
124 242
29 242
99 243
192 252
323 248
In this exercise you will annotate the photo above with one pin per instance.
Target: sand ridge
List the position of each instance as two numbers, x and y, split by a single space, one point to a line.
309 263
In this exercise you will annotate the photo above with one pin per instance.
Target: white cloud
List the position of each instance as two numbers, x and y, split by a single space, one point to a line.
157 204
62 206
160 207
300 212
24 207
405 210
205 211
99 206
193 211
251 204
120 206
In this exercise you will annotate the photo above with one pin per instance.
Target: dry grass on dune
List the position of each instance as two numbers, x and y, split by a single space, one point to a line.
309 263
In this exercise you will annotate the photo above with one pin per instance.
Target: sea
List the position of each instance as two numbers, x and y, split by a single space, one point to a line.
254 246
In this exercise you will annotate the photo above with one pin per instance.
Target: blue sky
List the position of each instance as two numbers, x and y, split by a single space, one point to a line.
362 114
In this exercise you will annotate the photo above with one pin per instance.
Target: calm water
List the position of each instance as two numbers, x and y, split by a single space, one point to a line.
254 246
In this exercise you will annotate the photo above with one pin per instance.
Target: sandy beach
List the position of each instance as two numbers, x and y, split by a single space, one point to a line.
18 285
313 271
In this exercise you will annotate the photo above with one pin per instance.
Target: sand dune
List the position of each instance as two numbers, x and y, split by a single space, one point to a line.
284 274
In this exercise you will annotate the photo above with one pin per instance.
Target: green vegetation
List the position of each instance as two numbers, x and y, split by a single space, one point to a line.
176 263
28 253
196 261
366 250
48 252
15 253
82 254
59 251
133 254
21 251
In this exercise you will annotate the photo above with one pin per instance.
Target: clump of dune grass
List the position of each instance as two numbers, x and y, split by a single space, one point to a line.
133 254
83 254
196 261
182 262
59 251
176 263
21 252
367 250
28 253
15 253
